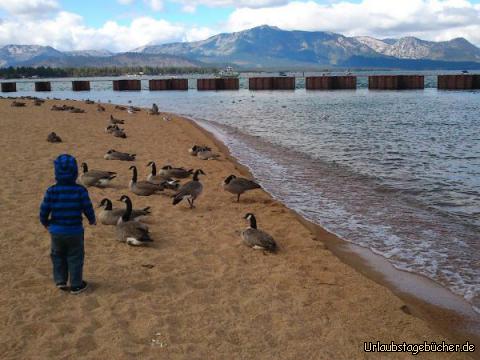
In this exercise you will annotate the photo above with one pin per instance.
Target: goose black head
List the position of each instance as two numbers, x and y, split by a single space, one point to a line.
229 178
253 221
124 198
133 167
111 151
107 203
167 167
84 167
151 163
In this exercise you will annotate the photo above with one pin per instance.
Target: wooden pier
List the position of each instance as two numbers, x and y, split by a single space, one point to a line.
218 84
271 83
9 87
168 84
396 82
43 86
127 85
331 82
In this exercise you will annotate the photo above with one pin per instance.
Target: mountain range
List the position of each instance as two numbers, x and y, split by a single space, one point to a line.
265 47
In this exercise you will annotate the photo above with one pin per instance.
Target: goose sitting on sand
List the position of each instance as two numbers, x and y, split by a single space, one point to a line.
155 178
238 185
17 104
255 238
54 138
117 132
143 188
196 148
97 178
100 108
110 216
115 121
129 231
178 173
190 190
154 110
204 153
117 155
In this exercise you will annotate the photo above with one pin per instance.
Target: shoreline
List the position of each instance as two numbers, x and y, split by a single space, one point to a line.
198 296
443 311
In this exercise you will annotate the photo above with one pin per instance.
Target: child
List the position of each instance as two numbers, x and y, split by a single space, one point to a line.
61 213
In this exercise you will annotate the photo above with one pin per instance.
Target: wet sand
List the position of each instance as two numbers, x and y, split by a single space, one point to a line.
197 292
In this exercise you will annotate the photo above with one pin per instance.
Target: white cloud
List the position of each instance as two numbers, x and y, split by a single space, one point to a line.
155 5
191 5
428 19
125 2
67 31
29 7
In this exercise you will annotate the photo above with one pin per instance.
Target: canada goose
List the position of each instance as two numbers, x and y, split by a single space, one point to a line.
89 102
110 128
17 104
203 152
54 138
110 216
98 178
196 148
117 132
255 238
38 102
154 110
238 186
143 188
190 190
127 230
77 111
117 155
115 121
179 173
100 108
121 108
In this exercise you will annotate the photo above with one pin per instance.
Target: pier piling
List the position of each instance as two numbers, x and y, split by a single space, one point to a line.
9 87
168 84
127 85
331 83
80 85
271 83
218 84
43 86
458 82
396 82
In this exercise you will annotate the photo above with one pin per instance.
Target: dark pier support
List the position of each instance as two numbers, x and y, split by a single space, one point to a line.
81 85
168 84
43 86
271 83
331 83
127 85
396 82
218 84
9 87
458 82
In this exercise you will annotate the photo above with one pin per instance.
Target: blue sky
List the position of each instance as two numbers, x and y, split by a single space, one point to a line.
120 25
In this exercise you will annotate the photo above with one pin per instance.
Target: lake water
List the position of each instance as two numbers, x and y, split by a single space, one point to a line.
397 172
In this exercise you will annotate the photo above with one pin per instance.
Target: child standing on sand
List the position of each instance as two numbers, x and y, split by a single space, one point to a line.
61 213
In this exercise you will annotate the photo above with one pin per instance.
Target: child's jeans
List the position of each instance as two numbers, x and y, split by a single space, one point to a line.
67 258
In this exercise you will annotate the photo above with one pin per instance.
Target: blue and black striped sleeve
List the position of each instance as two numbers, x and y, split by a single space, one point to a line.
87 207
45 208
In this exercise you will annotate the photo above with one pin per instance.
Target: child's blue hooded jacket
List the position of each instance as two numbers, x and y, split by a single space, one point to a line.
65 202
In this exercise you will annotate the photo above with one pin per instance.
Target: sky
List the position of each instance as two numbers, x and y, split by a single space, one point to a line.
122 25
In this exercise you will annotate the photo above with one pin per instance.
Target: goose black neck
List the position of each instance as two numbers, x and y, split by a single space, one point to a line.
128 211
195 175
108 204
253 222
85 167
134 175
154 169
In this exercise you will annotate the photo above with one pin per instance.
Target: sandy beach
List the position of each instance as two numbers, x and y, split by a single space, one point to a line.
196 292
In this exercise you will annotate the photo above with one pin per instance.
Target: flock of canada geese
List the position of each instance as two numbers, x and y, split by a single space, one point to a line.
127 221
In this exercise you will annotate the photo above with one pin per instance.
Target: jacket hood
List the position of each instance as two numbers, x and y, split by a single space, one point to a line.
66 169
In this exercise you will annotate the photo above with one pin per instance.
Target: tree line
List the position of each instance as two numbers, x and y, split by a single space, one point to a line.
53 72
